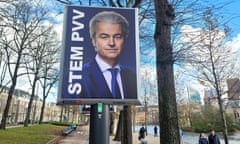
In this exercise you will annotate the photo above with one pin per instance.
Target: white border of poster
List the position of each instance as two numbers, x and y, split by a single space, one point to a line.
82 83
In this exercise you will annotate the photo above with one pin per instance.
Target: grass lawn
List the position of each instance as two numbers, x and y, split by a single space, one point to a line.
33 134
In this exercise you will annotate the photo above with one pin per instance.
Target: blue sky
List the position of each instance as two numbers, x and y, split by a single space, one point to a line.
231 13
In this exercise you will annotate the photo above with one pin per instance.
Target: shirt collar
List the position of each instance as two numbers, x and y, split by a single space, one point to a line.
103 65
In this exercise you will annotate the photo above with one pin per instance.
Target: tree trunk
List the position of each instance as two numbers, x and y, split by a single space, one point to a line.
134 118
42 110
7 107
127 125
223 117
111 127
10 92
124 128
61 115
119 127
146 115
30 103
219 96
169 133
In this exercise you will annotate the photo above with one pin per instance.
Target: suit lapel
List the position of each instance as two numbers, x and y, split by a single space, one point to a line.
129 83
124 82
99 84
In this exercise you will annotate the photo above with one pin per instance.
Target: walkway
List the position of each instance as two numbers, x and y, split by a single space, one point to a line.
81 136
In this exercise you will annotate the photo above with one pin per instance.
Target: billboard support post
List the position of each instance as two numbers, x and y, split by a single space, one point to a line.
99 124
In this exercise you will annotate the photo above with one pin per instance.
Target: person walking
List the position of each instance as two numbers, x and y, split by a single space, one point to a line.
213 138
202 139
155 131
142 133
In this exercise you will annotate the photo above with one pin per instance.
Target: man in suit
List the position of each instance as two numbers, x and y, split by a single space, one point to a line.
108 32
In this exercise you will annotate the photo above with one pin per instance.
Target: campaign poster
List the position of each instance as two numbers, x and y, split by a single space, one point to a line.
95 41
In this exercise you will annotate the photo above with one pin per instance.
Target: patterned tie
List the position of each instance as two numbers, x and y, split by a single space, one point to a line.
114 84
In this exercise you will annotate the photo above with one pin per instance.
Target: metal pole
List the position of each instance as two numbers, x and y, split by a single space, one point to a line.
99 124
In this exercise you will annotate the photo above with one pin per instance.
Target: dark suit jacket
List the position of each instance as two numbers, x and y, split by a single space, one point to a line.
95 86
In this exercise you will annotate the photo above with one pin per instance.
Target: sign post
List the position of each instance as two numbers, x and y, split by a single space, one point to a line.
99 124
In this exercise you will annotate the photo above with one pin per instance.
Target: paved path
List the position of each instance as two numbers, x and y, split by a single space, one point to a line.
79 136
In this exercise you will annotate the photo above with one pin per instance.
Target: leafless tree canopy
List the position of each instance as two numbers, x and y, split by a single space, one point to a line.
21 22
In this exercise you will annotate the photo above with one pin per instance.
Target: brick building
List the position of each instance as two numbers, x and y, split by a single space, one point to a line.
233 89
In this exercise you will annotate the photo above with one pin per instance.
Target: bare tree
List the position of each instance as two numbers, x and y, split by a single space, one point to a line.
44 46
49 73
211 59
148 85
20 20
3 63
3 69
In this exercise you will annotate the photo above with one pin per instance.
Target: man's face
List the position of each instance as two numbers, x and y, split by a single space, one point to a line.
108 41
213 132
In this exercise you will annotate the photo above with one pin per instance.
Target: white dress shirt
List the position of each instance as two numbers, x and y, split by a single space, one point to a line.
107 74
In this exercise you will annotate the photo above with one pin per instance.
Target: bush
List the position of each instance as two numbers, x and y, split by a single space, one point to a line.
236 126
209 118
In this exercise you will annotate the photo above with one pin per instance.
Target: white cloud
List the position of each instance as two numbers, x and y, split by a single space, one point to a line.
235 44
191 34
148 72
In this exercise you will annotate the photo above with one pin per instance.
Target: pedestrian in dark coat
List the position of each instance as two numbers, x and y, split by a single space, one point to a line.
155 131
142 132
202 139
213 138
